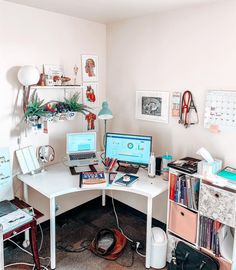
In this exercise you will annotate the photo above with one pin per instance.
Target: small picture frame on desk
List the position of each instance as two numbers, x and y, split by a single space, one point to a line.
112 177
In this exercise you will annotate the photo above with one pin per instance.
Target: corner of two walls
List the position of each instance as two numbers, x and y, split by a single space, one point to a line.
41 37
184 49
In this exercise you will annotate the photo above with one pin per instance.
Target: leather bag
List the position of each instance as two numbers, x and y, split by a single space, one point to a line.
186 257
108 244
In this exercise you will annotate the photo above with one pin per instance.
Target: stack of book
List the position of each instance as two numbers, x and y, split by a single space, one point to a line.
184 189
91 178
209 230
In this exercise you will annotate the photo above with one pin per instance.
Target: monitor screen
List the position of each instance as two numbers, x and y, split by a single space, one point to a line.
134 149
81 142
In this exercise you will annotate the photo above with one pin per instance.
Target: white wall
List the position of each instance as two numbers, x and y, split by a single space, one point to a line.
33 36
191 48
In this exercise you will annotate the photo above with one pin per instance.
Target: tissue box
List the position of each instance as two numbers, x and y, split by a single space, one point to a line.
205 168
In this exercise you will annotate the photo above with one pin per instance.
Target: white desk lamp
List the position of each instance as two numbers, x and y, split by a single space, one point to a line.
105 114
27 76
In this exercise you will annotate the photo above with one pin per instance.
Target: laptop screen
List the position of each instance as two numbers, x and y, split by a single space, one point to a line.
81 142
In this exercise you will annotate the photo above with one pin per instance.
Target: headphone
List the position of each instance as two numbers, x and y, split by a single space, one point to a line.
46 153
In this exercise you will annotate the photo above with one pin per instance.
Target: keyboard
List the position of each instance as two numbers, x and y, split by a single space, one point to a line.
82 156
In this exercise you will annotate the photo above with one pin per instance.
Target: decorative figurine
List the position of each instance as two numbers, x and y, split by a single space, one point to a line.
76 69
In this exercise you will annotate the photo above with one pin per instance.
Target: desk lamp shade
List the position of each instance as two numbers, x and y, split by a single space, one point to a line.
105 113
28 75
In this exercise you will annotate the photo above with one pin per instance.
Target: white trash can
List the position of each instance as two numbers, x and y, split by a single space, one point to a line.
159 248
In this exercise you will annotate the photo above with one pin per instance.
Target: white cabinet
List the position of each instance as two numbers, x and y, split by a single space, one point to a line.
216 205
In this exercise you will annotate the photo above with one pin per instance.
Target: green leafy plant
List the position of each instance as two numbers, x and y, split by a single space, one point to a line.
35 107
74 106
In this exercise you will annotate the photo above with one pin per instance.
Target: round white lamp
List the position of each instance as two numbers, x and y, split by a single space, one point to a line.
28 75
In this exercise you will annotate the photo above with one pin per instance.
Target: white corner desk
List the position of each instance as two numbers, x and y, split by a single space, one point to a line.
57 180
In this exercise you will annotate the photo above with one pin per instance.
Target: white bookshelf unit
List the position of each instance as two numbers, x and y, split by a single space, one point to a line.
214 205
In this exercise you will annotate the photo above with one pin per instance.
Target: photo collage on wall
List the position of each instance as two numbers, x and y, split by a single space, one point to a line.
90 90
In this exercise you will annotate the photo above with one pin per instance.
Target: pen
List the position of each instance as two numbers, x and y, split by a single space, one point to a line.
13 220
80 179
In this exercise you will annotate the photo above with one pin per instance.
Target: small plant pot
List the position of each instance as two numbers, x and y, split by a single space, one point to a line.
33 120
61 116
71 115
49 117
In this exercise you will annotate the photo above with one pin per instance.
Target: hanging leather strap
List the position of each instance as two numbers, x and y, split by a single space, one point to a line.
202 265
185 260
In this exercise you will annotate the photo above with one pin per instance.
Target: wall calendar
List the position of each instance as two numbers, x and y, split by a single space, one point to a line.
220 111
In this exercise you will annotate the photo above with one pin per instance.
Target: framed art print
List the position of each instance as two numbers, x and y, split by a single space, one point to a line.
90 94
152 106
90 68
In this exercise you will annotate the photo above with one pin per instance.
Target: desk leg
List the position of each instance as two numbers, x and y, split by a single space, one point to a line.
148 232
1 249
103 197
26 242
53 233
233 267
34 244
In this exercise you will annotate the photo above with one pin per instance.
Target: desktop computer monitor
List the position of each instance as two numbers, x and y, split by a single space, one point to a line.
127 148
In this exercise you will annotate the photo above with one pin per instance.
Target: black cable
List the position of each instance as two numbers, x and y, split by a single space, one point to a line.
131 263
102 155
70 248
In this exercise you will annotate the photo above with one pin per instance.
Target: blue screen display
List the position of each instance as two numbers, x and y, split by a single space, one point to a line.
81 142
128 148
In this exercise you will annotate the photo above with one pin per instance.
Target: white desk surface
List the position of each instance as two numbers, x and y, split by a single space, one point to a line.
57 180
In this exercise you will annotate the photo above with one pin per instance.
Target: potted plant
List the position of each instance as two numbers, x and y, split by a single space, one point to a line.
74 107
34 110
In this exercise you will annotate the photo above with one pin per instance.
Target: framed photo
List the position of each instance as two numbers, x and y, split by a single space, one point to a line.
90 94
90 123
51 71
90 68
152 106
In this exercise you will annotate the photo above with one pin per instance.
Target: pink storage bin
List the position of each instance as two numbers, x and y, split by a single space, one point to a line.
183 222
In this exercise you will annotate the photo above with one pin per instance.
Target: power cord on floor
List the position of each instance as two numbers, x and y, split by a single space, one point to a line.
137 244
83 246
29 253
127 265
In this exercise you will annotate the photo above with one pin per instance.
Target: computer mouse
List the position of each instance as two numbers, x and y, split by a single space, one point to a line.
126 178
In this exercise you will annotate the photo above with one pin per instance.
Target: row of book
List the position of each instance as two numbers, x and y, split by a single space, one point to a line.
208 236
184 189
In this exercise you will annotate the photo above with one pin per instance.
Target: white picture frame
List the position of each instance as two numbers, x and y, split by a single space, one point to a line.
89 68
152 106
90 95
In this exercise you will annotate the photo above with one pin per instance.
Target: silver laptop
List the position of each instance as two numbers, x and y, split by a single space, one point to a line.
81 149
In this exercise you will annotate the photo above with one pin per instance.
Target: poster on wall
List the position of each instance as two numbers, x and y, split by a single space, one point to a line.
90 94
91 121
6 187
90 68
152 106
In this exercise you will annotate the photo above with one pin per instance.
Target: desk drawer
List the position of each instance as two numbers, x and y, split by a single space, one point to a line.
183 222
217 204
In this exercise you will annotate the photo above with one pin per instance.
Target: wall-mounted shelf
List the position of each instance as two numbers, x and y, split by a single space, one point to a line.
56 87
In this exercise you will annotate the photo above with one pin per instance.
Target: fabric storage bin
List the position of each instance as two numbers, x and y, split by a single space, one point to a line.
217 204
183 222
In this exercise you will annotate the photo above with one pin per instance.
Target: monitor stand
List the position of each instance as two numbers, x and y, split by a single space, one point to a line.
127 168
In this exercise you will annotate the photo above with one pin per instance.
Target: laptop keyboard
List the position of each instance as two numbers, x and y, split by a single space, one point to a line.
82 156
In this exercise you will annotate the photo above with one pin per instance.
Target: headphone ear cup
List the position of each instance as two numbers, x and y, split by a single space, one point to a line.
51 157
